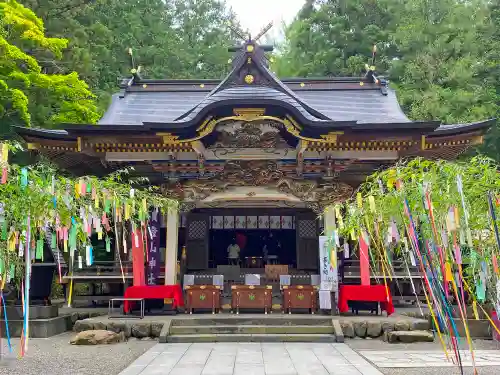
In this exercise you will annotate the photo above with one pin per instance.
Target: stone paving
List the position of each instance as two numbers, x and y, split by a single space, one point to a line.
419 358
251 359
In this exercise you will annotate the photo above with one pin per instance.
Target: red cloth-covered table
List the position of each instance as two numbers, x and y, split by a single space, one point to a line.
369 293
154 292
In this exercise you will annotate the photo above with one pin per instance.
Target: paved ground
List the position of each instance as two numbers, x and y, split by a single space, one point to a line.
251 359
302 359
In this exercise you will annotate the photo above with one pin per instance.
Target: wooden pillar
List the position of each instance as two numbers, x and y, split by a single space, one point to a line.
171 246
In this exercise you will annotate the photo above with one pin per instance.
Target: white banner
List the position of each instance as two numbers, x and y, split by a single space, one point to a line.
328 265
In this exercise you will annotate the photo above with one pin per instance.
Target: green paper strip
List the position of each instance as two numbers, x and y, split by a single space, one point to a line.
108 244
53 243
107 206
89 188
24 177
39 250
480 291
72 238
1 264
12 271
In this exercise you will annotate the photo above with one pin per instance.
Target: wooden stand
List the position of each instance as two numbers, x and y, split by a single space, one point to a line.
251 297
299 297
203 297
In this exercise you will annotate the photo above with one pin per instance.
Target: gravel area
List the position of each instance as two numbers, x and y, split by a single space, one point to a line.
55 356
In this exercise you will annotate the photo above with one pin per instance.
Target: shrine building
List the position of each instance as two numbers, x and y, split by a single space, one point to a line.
253 159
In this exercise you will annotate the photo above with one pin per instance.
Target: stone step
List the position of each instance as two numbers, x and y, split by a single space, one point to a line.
407 337
269 320
39 328
248 329
250 338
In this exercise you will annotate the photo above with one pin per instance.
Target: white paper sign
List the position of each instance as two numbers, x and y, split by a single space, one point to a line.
328 265
325 300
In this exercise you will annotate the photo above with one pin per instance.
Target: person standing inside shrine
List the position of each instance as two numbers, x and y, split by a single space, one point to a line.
233 252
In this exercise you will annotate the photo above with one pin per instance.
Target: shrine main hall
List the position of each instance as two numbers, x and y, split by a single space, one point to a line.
252 159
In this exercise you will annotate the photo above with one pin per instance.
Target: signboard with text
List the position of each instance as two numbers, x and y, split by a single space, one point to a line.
328 265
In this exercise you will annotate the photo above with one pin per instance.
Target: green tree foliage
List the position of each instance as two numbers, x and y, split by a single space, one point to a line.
169 38
335 38
29 95
441 55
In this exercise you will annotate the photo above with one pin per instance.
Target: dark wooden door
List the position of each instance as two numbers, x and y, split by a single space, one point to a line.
307 241
197 237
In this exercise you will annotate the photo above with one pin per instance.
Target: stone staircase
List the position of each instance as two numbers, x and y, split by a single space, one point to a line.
252 329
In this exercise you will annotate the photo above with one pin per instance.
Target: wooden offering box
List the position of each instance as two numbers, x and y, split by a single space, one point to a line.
251 297
203 297
299 297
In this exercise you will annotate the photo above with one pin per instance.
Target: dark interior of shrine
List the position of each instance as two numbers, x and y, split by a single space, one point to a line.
279 243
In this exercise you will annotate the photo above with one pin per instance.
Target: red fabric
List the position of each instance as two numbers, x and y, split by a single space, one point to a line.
241 240
369 293
138 258
154 292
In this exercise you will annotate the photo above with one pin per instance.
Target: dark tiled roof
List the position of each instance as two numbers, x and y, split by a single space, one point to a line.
137 107
364 106
248 94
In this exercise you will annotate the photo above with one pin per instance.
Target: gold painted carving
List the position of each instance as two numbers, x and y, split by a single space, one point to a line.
249 79
169 138
249 114
331 137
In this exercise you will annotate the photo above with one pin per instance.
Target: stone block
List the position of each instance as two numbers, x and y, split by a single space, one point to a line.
420 325
373 329
119 327
83 315
478 329
347 329
360 328
74 317
83 325
402 325
337 329
39 328
100 326
165 331
36 312
387 326
95 314
96 337
156 329
140 330
409 336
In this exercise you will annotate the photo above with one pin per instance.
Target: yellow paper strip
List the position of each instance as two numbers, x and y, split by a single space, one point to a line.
474 309
127 212
371 201
360 200
5 152
70 296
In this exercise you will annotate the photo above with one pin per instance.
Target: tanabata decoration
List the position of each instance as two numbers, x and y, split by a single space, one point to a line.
39 207
439 218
